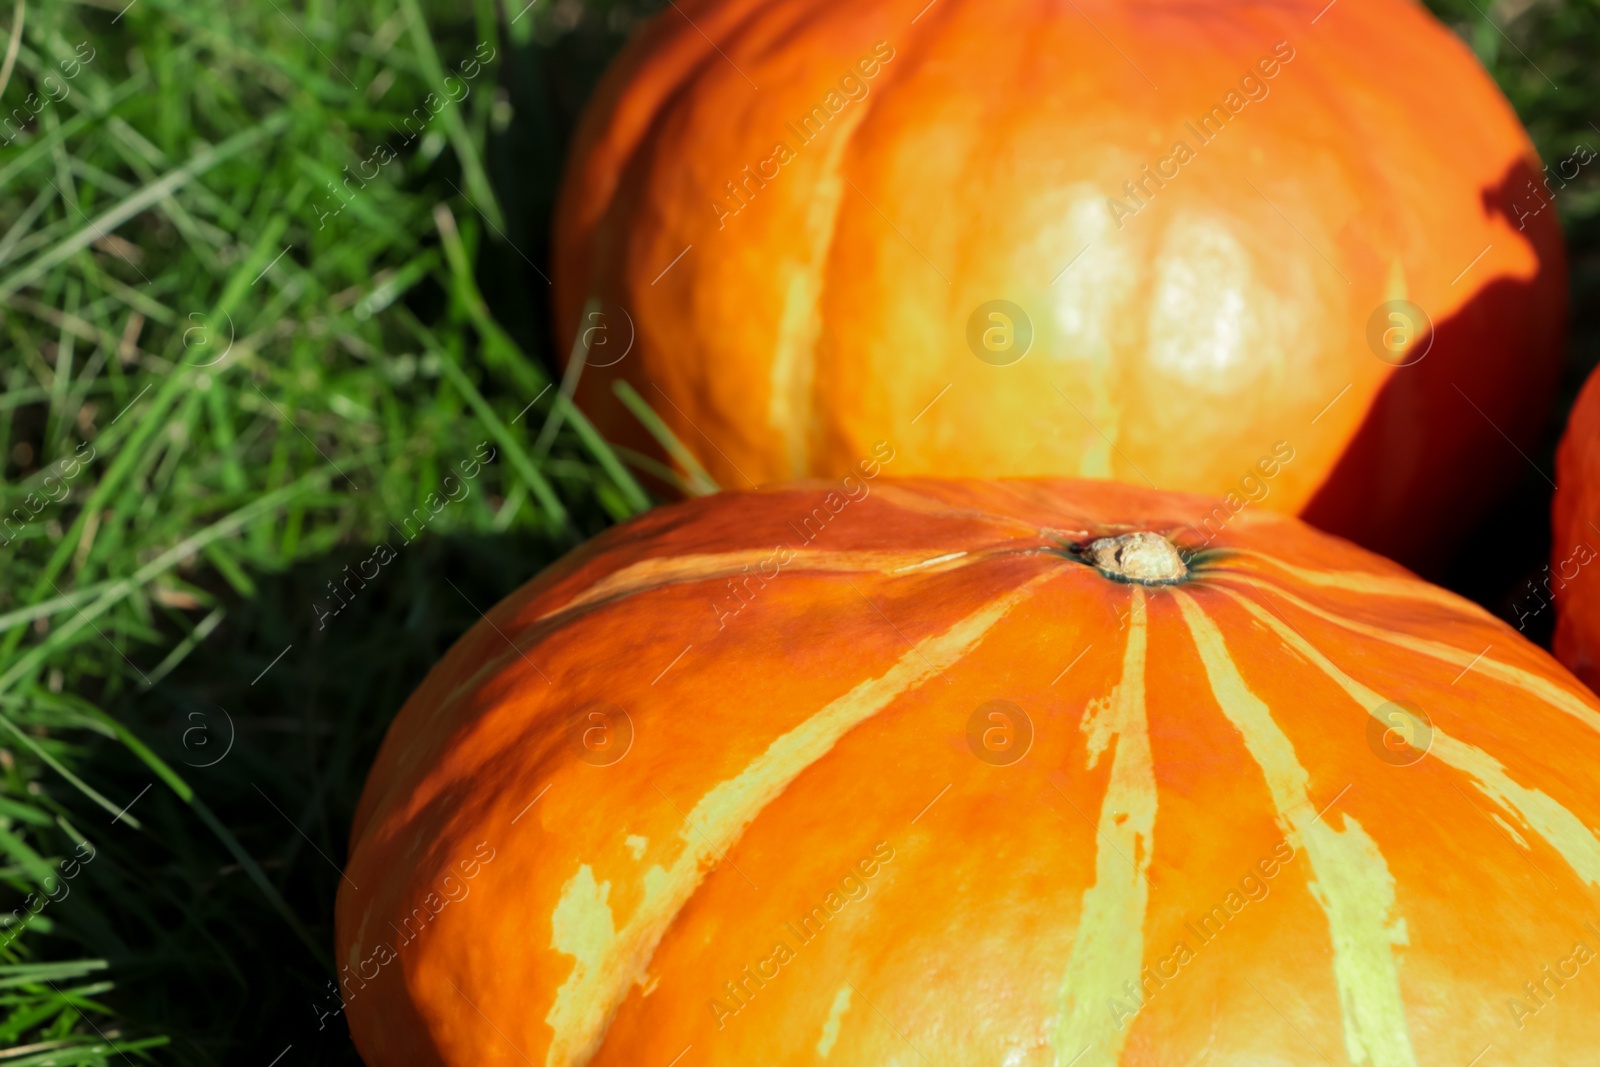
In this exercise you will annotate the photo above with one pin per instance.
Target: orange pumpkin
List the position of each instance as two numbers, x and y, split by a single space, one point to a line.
1571 582
979 231
956 772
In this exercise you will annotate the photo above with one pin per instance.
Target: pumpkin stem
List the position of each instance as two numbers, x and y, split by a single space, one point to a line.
1143 557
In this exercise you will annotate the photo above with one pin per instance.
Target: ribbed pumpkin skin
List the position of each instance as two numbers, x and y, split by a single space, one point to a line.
1217 321
1573 577
1186 739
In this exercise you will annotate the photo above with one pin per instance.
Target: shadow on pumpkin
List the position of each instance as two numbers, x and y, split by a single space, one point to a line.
1470 423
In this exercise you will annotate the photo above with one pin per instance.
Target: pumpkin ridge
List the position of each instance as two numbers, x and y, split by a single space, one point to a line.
1354 886
1539 688
645 576
587 1000
622 153
1406 588
792 402
626 132
1108 947
1537 810
915 503
612 591
581 604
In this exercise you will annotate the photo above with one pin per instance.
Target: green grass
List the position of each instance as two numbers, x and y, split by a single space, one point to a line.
1542 55
268 388
269 365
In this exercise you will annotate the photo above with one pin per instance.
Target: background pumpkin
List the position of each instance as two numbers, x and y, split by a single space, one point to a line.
1570 580
524 890
797 294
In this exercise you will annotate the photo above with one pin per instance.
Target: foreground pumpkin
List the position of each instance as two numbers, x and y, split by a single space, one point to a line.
1570 584
979 230
962 773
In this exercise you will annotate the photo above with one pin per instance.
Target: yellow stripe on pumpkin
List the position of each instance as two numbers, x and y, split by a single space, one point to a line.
830 1029
1540 812
598 984
1353 884
652 574
1108 949
1405 588
794 356
1530 683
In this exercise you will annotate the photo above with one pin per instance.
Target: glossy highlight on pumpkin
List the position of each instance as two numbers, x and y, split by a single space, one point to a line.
977 776
1144 241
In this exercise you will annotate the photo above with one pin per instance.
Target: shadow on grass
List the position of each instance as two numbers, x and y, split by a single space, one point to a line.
278 749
